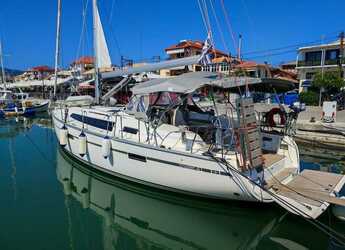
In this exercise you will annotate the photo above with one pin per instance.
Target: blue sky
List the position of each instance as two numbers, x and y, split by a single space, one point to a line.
140 29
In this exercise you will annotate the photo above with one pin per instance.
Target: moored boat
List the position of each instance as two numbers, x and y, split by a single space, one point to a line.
173 144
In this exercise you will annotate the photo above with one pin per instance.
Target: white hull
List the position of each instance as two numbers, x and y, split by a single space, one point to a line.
166 169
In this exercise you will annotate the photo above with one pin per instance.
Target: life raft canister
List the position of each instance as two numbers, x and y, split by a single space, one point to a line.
270 117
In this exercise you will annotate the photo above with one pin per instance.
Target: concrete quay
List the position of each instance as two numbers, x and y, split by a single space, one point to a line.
318 133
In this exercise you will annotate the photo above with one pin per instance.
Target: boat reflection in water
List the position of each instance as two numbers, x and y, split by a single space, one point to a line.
13 126
136 217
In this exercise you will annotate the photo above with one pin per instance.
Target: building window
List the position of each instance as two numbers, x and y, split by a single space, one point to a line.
332 54
332 57
180 55
313 58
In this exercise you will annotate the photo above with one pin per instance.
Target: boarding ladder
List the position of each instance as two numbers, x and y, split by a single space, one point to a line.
248 135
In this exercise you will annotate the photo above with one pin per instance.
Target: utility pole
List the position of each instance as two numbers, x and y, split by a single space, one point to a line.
323 57
57 48
341 54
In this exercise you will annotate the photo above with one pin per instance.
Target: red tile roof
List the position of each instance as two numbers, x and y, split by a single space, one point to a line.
195 45
186 44
247 64
84 60
42 68
222 59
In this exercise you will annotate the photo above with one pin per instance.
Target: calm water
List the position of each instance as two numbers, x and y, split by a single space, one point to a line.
48 203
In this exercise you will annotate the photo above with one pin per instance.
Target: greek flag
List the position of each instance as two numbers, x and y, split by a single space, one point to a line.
205 57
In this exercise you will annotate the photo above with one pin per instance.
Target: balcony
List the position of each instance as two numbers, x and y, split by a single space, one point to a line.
334 62
308 63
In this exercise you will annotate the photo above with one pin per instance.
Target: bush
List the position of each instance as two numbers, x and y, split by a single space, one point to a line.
309 98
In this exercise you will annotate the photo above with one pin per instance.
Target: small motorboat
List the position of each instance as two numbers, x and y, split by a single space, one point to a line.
20 104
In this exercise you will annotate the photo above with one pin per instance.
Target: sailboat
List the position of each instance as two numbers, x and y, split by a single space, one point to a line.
164 140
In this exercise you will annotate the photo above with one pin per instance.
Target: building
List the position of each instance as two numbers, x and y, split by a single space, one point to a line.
187 48
289 67
318 58
36 73
221 65
83 64
254 69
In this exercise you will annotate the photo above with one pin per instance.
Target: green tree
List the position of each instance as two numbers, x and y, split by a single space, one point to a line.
331 81
309 98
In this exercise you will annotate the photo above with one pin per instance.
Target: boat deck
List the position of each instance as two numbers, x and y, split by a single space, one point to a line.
270 159
312 187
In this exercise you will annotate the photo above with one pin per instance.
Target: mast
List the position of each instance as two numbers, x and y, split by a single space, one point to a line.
239 47
95 48
57 45
3 75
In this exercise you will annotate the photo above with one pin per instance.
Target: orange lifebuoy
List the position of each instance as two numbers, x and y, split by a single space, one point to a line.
270 117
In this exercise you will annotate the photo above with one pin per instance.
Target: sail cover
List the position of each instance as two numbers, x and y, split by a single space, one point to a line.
104 60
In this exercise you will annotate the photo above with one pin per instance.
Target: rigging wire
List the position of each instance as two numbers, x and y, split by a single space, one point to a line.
112 11
228 25
203 16
219 27
204 13
112 30
207 18
83 29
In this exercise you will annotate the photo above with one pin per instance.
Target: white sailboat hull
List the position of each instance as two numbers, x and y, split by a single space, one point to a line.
162 168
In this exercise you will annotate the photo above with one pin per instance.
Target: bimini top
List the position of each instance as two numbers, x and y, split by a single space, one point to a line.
189 82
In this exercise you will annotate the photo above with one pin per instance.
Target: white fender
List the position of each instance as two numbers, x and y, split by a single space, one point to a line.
109 217
85 197
106 147
16 109
63 136
82 144
66 186
339 211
